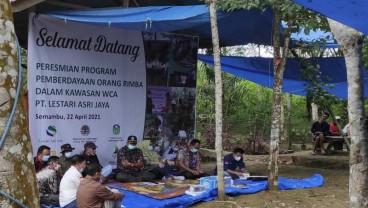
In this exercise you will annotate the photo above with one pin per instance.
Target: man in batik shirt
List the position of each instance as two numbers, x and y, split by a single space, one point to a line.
189 161
130 163
48 180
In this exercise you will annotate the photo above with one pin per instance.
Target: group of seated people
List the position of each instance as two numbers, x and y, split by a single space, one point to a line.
320 129
77 180
73 180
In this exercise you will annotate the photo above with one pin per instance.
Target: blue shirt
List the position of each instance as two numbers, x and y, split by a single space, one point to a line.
232 164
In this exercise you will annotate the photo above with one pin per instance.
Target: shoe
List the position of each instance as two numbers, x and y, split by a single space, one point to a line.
178 178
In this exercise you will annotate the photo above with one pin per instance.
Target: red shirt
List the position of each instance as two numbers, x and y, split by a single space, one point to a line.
39 165
334 128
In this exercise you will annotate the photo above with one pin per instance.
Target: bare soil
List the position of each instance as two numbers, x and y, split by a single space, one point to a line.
334 193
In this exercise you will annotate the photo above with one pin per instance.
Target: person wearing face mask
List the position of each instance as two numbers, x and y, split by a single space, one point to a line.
189 161
48 180
64 160
130 163
234 165
43 154
92 194
90 153
166 169
70 182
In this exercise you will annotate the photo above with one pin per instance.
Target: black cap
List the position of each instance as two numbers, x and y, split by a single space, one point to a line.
132 138
66 148
90 145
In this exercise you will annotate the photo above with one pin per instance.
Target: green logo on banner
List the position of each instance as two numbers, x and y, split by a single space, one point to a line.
116 129
51 131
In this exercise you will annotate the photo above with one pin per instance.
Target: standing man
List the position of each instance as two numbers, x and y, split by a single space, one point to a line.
189 161
66 151
320 129
234 165
92 194
48 180
130 163
43 154
70 182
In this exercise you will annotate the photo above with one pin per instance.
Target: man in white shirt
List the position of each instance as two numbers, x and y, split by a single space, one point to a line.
70 182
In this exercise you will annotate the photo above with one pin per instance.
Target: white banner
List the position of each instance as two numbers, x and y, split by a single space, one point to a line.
86 83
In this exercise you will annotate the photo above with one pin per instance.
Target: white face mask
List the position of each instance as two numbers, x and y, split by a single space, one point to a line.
45 158
68 154
237 158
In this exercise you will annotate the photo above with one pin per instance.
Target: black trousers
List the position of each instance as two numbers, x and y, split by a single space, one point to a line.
189 175
138 177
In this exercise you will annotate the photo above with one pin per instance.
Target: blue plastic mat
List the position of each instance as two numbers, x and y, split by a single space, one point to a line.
135 200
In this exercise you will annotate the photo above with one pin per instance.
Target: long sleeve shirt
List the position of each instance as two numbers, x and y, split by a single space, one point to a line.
92 194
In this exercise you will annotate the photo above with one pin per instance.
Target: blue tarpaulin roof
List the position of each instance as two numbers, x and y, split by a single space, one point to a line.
193 20
353 13
260 70
237 27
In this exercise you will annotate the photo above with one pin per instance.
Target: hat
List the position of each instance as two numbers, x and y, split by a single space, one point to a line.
90 145
132 138
337 117
66 148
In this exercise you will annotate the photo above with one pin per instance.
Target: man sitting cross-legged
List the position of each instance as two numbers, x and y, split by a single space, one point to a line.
167 168
234 165
189 161
130 163
92 194
48 180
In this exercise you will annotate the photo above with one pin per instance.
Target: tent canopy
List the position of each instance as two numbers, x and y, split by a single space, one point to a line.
191 20
237 27
260 71
353 13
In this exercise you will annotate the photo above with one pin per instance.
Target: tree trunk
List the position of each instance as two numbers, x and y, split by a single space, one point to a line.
287 121
17 173
315 116
218 100
351 42
279 68
282 124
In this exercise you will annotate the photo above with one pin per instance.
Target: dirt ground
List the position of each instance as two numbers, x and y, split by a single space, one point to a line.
334 193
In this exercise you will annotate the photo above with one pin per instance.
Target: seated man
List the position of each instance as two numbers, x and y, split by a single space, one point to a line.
48 180
189 161
335 131
234 165
320 129
90 153
43 154
91 193
70 182
66 151
167 169
130 163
